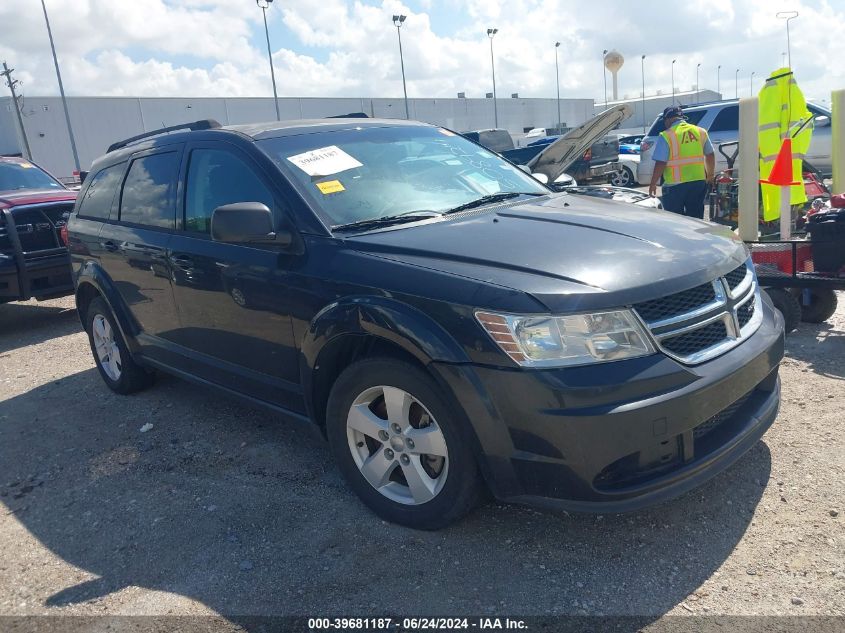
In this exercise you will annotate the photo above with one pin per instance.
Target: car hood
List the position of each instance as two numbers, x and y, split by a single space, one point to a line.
34 196
560 155
568 252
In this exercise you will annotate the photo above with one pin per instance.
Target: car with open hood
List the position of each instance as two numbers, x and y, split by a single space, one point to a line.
34 207
449 323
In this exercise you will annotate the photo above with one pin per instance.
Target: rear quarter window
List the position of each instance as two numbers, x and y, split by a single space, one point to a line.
96 201
693 117
727 120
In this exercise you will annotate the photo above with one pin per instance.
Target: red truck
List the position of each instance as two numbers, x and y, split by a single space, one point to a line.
34 207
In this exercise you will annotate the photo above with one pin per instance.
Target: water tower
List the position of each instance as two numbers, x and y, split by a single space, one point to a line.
613 62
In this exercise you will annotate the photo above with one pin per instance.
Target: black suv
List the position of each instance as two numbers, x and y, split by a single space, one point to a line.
445 319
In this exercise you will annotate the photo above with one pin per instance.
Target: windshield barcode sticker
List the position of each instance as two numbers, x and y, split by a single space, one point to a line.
324 161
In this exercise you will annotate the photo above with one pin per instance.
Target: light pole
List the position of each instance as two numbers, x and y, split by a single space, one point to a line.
787 15
642 72
736 84
718 80
673 81
398 20
263 5
491 33
61 89
604 72
697 67
557 78
751 83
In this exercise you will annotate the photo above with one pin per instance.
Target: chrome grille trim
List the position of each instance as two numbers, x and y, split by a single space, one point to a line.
724 309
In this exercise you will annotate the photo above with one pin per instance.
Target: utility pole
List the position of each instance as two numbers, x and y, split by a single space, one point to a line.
642 70
398 21
491 33
7 73
61 90
604 74
264 5
557 76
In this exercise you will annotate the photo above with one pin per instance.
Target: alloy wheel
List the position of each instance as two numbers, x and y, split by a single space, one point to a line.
622 178
105 345
397 445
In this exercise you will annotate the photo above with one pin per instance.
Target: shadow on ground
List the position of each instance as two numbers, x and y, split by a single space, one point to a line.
821 346
23 324
246 513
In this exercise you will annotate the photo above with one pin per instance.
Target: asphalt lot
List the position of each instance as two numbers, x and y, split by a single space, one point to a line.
226 509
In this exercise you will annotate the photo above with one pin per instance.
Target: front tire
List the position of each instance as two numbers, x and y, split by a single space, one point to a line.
116 366
401 445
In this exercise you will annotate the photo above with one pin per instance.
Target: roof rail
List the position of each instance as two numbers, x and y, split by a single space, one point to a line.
351 115
203 124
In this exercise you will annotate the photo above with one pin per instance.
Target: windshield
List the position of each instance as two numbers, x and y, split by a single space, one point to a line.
15 176
368 173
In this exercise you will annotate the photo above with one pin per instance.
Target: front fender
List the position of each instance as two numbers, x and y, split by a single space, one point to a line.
91 274
395 322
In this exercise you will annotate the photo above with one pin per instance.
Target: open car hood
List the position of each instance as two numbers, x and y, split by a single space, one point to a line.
560 155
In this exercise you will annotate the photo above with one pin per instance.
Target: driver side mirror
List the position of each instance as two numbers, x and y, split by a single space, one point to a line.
247 223
821 121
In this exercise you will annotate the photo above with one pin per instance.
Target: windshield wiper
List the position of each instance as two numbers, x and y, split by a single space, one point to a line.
491 198
387 220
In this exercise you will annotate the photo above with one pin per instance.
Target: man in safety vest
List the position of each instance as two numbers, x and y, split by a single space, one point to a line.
683 155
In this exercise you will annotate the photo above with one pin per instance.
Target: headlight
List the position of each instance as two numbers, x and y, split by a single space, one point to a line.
559 341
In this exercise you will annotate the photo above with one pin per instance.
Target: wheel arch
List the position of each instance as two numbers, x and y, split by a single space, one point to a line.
92 282
346 332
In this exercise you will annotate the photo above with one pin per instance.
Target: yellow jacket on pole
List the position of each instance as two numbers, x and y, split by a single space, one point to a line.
783 110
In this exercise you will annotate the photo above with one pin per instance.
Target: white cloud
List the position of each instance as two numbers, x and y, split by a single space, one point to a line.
339 48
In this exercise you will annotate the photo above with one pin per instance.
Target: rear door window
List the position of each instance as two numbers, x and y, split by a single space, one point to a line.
215 178
149 191
97 200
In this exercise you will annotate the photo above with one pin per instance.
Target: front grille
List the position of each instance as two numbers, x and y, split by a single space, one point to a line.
35 231
736 276
745 312
38 226
700 323
696 341
676 304
720 418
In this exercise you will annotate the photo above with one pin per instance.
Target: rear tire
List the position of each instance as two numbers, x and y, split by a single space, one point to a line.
788 305
821 307
622 178
114 362
380 415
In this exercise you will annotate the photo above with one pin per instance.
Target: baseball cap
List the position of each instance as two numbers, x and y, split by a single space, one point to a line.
673 112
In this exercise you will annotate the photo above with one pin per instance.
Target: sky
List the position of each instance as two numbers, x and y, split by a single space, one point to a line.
349 48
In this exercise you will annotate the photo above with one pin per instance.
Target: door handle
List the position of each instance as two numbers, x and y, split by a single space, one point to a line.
110 246
182 261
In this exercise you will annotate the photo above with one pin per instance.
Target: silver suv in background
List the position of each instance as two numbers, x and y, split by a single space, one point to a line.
721 120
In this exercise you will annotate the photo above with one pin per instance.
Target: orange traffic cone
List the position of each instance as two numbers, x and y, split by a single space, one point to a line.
781 174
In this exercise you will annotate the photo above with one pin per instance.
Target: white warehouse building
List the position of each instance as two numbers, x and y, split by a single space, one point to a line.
99 121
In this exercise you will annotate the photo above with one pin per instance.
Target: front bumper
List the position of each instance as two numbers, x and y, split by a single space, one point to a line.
42 277
620 436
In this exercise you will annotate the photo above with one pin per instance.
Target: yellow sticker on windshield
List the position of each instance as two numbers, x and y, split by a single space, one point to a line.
26 165
330 186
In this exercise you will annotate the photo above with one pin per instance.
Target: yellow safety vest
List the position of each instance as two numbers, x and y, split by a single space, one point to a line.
686 153
782 111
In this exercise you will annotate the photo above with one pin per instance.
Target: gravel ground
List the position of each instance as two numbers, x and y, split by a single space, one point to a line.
222 508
